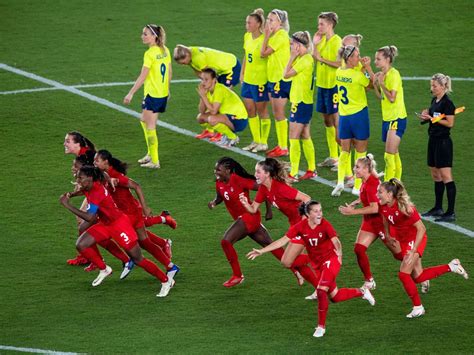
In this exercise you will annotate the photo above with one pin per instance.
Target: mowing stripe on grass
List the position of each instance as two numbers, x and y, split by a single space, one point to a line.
179 130
32 350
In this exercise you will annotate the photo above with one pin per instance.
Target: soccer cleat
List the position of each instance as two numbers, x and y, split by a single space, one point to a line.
127 269
151 165
312 297
416 312
250 147
456 267
260 148
446 217
78 260
370 285
279 152
273 149
328 163
171 273
216 137
145 159
170 221
434 212
204 134
335 168
166 287
91 267
102 275
349 181
292 178
309 175
367 295
355 191
299 278
234 281
231 142
167 249
337 190
319 332
425 286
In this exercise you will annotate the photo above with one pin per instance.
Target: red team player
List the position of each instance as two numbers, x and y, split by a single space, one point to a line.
403 223
135 210
103 220
321 241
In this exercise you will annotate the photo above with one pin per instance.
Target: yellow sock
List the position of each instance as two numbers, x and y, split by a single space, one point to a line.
265 126
349 171
254 125
143 124
153 145
389 166
223 129
282 133
358 182
309 153
398 167
332 143
295 155
343 161
207 126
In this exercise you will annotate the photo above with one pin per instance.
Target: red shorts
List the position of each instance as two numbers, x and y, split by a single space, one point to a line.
406 247
121 231
329 270
373 226
136 219
251 221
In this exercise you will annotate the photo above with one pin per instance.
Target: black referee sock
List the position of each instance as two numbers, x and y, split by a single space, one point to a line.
451 194
439 192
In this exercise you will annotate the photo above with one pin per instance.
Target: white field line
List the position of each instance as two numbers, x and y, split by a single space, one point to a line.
32 350
177 81
180 130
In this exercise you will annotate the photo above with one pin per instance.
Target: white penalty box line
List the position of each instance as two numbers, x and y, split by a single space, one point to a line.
74 90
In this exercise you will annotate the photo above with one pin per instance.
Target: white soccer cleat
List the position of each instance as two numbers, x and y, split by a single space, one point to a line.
319 332
349 182
171 273
367 295
102 275
250 147
312 297
166 287
425 286
127 269
337 190
416 312
456 267
328 162
260 148
370 285
355 191
151 165
299 278
145 159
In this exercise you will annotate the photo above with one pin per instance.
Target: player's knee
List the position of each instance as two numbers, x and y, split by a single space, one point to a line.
286 263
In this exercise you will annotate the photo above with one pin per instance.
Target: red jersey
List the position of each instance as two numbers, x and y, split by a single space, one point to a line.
317 241
401 226
99 201
283 197
368 195
230 191
122 195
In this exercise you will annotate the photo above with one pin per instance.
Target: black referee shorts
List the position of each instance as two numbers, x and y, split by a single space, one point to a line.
440 152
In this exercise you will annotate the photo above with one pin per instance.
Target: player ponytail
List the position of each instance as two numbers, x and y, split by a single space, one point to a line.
398 191
259 16
305 207
115 163
181 52
276 169
353 40
444 81
389 52
91 171
234 167
282 16
331 17
369 162
159 33
304 38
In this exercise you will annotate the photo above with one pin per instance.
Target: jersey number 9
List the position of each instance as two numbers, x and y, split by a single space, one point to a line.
163 71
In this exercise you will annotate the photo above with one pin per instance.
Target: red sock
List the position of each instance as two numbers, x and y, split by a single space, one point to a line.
152 220
94 257
432 272
344 294
115 250
232 257
96 249
278 253
410 288
363 260
323 305
152 269
309 275
155 239
156 251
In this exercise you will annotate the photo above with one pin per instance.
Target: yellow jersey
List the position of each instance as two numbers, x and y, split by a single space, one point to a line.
325 74
277 61
255 66
302 84
221 62
157 82
351 84
231 104
392 111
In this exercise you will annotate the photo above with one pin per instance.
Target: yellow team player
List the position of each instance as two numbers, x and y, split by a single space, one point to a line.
220 109
326 46
300 69
156 74
354 125
388 87
276 47
254 82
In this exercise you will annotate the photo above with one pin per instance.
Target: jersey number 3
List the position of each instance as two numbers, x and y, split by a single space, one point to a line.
343 95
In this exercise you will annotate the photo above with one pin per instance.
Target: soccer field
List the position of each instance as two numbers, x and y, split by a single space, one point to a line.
67 66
